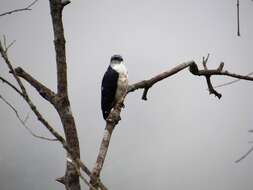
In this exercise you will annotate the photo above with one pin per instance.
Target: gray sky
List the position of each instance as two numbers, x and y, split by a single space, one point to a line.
180 138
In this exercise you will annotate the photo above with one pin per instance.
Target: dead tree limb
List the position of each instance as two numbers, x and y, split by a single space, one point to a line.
45 92
23 122
111 122
147 84
60 99
245 155
193 68
11 85
27 98
23 93
63 106
28 8
231 82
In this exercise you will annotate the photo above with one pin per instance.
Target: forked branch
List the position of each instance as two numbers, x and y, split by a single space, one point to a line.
11 85
27 98
193 68
60 100
23 121
23 93
44 91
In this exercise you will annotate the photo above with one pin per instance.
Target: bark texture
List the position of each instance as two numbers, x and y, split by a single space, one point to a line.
71 179
111 122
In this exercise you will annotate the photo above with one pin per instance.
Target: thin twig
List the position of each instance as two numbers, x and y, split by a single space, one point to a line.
231 82
208 77
238 18
5 43
204 61
27 116
11 85
6 47
245 155
23 122
28 8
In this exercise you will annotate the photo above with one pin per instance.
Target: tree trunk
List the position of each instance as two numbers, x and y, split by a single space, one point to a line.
71 178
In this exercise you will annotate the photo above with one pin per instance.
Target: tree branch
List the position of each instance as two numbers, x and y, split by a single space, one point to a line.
208 77
28 8
26 97
23 122
76 165
42 89
87 171
147 84
59 43
111 122
63 107
193 68
65 2
245 155
231 82
11 85
41 118
80 164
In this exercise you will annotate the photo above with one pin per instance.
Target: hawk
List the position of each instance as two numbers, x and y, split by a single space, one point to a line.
114 85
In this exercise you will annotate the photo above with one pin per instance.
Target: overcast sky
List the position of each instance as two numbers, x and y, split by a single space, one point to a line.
180 138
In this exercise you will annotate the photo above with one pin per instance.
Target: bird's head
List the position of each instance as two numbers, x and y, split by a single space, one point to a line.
116 59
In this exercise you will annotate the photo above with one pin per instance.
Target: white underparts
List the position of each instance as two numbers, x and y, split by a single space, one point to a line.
122 83
119 67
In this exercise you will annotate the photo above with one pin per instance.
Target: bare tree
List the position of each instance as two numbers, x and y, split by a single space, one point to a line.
61 102
58 99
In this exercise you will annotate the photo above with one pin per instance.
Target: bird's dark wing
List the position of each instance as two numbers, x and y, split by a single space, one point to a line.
108 90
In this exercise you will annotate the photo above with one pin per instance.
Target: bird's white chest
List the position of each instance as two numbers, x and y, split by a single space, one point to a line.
120 68
122 83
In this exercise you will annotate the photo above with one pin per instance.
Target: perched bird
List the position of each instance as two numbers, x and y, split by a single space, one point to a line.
114 85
